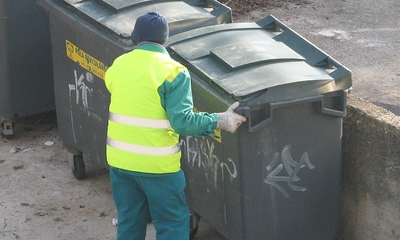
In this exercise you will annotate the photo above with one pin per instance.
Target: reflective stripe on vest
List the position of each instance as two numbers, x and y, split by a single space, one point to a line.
133 148
139 122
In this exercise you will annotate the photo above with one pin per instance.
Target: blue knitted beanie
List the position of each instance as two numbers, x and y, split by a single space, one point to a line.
151 27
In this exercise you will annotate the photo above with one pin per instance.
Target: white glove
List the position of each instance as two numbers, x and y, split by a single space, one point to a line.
229 120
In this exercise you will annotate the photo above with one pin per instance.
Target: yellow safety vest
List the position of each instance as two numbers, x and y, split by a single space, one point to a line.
140 137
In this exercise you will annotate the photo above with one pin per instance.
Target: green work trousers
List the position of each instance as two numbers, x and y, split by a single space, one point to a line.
140 196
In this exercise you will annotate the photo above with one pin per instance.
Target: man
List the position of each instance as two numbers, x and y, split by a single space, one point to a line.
151 104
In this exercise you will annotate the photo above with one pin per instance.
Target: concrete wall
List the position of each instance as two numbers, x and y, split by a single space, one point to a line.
370 173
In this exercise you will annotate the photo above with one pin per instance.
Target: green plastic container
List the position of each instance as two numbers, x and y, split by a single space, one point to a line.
278 176
87 35
26 73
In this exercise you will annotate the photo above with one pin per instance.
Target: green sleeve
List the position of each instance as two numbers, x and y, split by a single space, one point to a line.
177 100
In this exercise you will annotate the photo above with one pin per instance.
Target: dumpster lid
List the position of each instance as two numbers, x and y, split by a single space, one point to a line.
119 16
247 58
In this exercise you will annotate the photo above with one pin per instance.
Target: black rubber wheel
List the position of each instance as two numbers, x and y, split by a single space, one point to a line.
79 167
193 232
194 224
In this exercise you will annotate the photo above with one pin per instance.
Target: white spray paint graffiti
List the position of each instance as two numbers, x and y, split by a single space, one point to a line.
82 91
232 175
292 168
200 152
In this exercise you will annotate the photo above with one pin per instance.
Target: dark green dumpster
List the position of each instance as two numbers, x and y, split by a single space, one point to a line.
278 176
87 35
26 72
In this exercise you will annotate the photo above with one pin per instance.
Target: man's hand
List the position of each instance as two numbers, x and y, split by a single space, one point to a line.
229 120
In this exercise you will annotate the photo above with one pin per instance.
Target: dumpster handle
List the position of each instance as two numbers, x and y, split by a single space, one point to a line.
246 111
280 26
214 3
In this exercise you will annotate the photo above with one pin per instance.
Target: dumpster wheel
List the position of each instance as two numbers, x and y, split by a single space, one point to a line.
7 127
79 167
194 224
193 232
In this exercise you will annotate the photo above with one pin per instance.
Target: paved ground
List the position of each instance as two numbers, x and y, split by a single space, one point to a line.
40 198
363 35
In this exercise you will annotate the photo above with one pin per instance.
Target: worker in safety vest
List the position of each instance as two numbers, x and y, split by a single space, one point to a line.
151 104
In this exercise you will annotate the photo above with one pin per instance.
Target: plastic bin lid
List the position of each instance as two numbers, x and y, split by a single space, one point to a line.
245 59
119 16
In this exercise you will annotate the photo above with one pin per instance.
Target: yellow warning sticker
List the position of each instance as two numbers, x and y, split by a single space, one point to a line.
86 61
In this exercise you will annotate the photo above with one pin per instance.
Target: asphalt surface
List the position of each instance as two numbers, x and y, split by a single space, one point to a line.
362 35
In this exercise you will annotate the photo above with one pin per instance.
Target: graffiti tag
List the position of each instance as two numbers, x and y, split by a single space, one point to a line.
200 153
291 167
